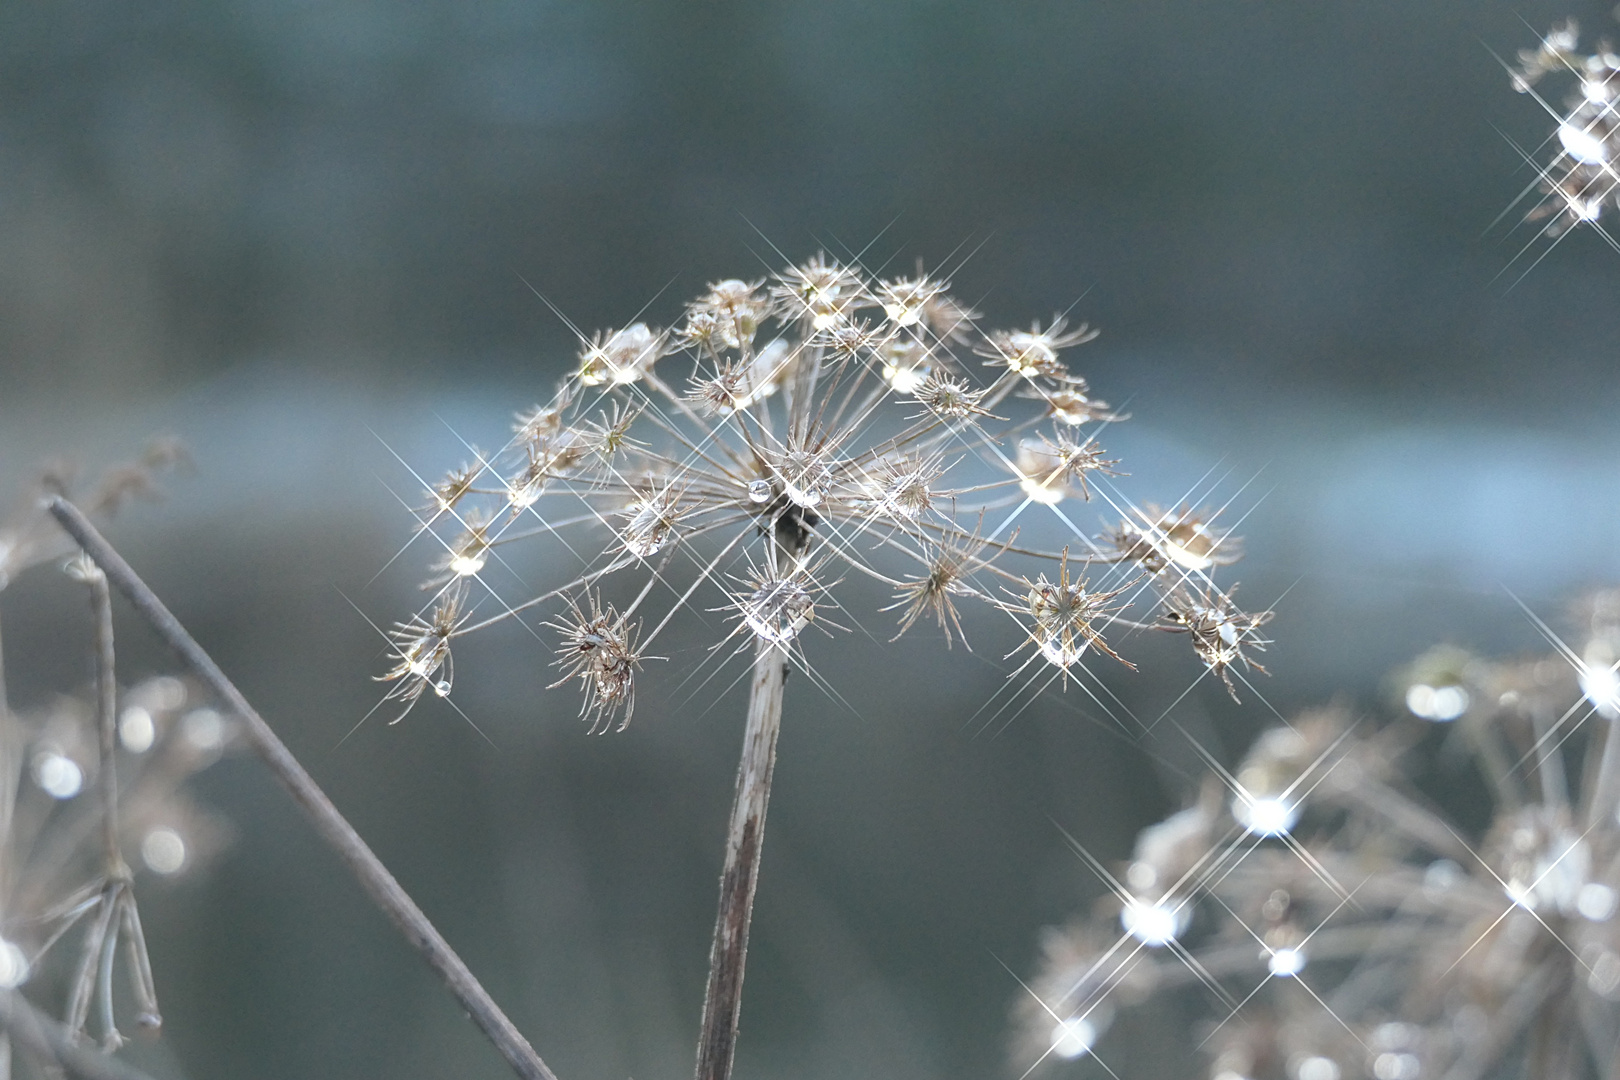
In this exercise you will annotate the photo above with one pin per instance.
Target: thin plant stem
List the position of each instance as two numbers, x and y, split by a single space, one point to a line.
7 791
107 723
332 827
5 709
1606 788
42 1038
722 1004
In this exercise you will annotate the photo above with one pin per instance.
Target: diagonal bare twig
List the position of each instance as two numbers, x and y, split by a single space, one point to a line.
328 822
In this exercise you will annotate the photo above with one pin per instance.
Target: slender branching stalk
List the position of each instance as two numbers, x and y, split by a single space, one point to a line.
379 884
832 426
5 813
116 914
45 1040
722 1005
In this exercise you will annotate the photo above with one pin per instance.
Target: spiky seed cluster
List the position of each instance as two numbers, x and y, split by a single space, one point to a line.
1219 631
1186 540
1340 925
1581 179
1033 353
1064 616
599 649
947 577
824 425
421 652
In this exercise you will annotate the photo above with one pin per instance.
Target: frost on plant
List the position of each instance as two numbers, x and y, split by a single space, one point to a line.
790 434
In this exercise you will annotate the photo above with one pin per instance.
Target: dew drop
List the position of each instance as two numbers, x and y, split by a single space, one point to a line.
13 965
778 610
1596 902
466 565
204 729
442 688
1271 815
1286 962
163 851
136 730
759 491
1154 925
57 775
1063 652
1073 1038
1582 145
1318 1068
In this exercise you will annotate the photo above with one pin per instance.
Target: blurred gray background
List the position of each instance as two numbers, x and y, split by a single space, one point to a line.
302 236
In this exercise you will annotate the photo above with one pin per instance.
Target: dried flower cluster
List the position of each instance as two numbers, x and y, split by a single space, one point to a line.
60 904
819 425
67 891
1580 180
1341 926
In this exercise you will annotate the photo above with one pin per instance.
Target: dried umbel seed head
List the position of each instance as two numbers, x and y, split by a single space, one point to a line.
728 316
469 551
818 293
544 460
899 487
945 580
650 523
609 433
457 483
907 301
776 609
1033 353
950 399
1219 631
1063 614
1051 470
29 537
907 364
803 476
824 419
1070 405
599 650
619 357
421 651
1184 538
543 422
1580 180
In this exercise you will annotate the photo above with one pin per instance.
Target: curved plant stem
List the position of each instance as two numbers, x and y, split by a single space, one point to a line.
328 822
722 1004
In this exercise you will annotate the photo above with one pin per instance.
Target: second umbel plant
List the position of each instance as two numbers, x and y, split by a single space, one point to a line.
791 435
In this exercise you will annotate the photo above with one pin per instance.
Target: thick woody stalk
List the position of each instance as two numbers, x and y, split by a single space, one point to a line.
329 823
723 1003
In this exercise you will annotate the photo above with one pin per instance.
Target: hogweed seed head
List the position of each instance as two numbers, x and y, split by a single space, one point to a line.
421 652
620 357
1219 631
775 609
1064 615
827 423
1186 538
1429 946
946 578
1051 469
599 650
1033 353
1579 181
